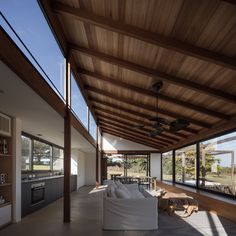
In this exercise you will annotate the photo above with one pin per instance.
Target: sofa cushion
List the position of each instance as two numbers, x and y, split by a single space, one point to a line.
122 186
136 194
121 193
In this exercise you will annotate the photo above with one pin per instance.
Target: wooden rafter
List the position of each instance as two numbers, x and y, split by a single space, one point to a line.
128 126
146 36
146 106
140 135
107 115
123 85
137 114
134 137
155 73
128 137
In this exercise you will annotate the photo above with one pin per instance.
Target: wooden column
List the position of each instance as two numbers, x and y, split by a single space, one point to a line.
97 158
67 146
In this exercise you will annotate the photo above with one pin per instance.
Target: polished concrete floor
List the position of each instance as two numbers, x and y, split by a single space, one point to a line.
87 221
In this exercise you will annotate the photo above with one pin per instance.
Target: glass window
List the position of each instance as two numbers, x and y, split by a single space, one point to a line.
217 164
167 166
28 21
92 126
137 165
26 153
185 165
58 156
115 165
78 103
42 156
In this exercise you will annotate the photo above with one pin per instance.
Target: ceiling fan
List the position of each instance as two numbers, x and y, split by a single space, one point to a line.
160 122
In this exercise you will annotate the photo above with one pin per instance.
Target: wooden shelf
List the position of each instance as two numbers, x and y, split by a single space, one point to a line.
6 184
5 204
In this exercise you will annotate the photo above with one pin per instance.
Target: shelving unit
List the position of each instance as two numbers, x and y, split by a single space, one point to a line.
6 162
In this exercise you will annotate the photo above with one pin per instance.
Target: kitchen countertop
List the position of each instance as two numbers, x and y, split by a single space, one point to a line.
41 178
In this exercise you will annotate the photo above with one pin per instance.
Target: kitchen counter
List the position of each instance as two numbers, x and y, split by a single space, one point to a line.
41 178
51 187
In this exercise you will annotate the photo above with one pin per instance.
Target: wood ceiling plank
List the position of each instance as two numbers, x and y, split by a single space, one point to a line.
146 36
101 112
155 73
147 107
140 115
128 137
132 135
105 119
136 134
152 94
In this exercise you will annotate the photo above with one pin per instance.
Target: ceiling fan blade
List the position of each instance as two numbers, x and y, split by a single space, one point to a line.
156 132
178 124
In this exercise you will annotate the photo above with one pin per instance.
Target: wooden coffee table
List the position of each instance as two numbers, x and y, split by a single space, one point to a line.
178 201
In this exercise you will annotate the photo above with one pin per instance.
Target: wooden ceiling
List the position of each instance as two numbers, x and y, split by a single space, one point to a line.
119 48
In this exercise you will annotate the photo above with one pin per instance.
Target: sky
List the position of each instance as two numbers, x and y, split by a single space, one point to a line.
28 21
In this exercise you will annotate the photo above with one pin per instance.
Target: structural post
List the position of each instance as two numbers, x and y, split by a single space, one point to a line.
97 157
67 146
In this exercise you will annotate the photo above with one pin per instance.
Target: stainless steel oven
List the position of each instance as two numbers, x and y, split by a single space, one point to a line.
37 193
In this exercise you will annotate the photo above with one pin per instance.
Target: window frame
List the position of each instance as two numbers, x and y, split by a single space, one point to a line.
197 143
32 137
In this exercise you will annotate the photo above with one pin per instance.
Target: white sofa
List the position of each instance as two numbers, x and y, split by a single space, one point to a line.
138 211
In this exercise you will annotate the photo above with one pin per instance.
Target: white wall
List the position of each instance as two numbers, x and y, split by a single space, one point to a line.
111 142
155 167
90 168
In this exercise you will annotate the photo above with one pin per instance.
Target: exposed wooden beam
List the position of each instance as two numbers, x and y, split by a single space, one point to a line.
123 85
141 136
129 124
146 36
112 116
155 73
107 121
135 135
129 137
137 114
131 152
67 148
146 106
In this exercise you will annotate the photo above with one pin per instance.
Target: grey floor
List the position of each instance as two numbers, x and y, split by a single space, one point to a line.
87 220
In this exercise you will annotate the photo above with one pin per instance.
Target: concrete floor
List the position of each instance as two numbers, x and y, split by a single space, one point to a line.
87 221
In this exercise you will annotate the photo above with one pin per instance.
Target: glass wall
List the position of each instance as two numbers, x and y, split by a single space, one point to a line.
27 19
115 165
186 165
26 153
38 155
137 165
167 166
78 103
42 155
217 164
92 126
58 156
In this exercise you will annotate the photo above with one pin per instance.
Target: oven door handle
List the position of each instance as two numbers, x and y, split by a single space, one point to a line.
36 188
